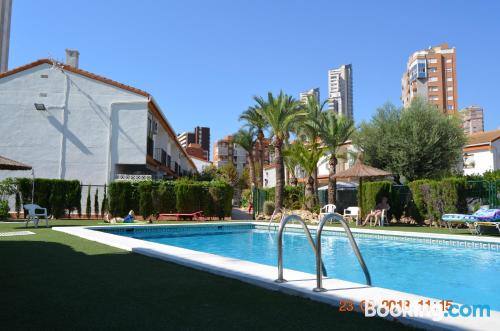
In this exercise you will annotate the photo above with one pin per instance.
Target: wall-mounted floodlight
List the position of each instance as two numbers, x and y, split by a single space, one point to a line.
40 106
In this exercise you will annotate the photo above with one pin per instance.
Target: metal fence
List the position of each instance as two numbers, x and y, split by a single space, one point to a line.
482 192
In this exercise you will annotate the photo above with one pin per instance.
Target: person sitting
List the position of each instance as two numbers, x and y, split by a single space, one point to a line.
377 212
130 217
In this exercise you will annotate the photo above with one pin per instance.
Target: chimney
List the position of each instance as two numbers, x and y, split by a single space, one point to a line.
72 56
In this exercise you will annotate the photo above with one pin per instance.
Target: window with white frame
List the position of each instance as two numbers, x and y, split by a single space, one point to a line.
449 79
433 60
433 79
450 97
449 88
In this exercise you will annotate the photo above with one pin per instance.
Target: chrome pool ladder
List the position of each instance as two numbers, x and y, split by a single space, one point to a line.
277 210
355 248
283 223
320 267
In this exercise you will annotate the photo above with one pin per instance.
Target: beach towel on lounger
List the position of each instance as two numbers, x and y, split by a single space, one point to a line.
488 215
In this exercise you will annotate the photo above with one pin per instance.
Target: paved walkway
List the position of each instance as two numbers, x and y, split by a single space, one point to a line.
240 214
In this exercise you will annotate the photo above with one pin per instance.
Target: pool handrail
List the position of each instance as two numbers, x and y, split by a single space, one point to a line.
283 213
319 262
283 223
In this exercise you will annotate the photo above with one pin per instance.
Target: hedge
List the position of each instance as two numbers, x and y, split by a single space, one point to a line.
57 195
184 196
433 198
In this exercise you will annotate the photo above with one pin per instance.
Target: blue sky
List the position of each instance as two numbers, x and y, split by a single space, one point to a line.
204 60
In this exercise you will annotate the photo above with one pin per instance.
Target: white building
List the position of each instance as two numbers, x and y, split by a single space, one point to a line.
314 92
226 151
200 163
482 153
340 97
72 124
5 15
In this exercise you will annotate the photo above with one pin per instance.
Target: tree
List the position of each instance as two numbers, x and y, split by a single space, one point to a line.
104 203
96 202
229 174
417 142
306 155
255 120
245 138
334 130
309 128
279 112
88 207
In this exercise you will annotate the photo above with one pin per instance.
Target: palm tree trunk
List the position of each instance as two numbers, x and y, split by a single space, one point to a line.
280 174
261 158
309 194
332 181
251 166
316 184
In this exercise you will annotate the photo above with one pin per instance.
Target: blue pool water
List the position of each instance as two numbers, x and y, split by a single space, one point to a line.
464 275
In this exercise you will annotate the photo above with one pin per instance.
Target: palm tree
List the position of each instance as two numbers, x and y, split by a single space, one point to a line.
279 113
306 155
334 131
309 129
245 137
290 163
255 120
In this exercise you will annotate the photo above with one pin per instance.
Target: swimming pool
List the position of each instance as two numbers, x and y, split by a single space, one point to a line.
440 270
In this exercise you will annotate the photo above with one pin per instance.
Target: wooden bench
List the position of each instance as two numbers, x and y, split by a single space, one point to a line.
178 216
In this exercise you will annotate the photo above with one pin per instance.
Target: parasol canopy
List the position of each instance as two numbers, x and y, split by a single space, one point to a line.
361 170
8 164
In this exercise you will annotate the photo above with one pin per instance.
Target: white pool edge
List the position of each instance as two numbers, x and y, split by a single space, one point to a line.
299 283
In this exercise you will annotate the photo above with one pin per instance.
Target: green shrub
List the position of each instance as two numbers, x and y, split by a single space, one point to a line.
104 203
145 198
188 195
432 198
293 197
246 197
4 209
164 199
121 198
269 208
88 205
57 195
96 202
57 199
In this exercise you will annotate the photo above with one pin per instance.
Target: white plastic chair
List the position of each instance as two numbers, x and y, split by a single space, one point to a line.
382 220
326 209
352 213
34 213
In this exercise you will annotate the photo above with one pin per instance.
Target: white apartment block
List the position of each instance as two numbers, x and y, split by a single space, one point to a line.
226 151
312 92
472 119
340 96
68 123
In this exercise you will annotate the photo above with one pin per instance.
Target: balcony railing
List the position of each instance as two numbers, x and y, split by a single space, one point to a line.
132 178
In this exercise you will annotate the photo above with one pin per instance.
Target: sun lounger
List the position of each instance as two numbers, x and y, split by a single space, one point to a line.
483 221
178 216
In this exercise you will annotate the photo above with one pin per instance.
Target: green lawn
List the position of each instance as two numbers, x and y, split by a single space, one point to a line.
55 281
